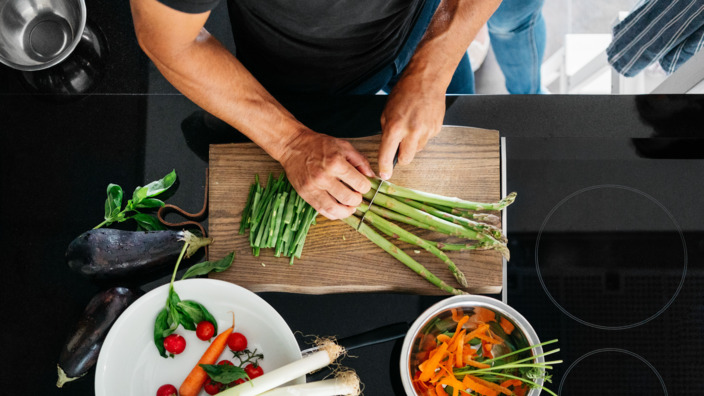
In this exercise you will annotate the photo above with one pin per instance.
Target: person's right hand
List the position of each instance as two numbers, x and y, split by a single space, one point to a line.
327 172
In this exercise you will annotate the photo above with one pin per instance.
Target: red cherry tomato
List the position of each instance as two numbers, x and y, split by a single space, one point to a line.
237 342
175 344
237 382
229 363
205 330
211 387
253 371
167 390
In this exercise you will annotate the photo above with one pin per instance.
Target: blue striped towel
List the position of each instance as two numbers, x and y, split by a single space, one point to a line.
665 31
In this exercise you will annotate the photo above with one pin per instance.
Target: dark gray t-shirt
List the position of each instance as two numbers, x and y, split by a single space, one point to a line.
320 46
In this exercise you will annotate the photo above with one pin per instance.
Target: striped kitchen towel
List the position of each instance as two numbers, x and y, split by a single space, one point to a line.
665 31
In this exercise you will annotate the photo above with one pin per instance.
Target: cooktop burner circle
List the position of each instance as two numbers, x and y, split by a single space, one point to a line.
611 371
609 255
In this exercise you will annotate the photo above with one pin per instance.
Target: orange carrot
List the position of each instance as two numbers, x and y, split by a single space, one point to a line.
470 382
506 325
457 314
491 385
195 380
511 382
483 315
430 365
474 363
440 391
478 331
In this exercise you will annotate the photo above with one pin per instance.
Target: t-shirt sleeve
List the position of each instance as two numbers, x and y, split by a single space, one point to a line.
191 6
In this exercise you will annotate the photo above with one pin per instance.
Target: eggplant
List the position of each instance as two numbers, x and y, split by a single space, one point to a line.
81 350
108 254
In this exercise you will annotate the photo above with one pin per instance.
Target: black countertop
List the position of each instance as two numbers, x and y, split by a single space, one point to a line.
59 152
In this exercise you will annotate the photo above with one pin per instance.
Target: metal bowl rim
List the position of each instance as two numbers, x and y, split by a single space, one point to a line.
463 301
63 55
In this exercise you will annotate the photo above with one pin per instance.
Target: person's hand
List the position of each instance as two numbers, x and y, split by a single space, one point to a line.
327 172
413 114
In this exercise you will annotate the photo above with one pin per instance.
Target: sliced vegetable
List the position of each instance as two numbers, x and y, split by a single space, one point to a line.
80 352
110 254
197 377
327 353
345 383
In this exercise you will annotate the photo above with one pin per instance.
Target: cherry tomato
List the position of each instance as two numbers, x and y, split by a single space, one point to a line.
253 371
167 390
237 382
205 330
229 363
211 387
237 342
175 344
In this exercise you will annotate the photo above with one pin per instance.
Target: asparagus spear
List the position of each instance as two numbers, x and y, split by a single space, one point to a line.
399 254
393 230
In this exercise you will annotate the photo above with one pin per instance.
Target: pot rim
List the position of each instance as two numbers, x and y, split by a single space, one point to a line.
456 302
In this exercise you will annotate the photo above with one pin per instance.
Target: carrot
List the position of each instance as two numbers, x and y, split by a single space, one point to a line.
474 363
506 325
430 365
470 382
478 331
197 377
491 385
483 315
511 382
440 391
457 314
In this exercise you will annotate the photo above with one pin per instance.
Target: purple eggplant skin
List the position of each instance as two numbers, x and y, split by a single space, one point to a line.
81 350
108 254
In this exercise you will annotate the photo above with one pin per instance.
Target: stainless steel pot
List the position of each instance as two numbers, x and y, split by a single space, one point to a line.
524 331
38 34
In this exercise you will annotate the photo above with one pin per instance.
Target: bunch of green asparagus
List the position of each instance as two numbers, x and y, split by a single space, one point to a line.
473 222
276 217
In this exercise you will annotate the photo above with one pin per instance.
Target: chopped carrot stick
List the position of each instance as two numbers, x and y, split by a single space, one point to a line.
511 382
430 365
470 382
474 363
443 338
440 391
473 334
456 384
483 315
491 385
506 325
488 339
195 380
458 351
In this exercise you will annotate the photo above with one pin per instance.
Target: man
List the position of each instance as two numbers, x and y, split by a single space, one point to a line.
330 47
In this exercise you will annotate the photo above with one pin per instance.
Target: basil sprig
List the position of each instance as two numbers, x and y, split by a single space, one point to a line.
186 313
224 373
142 198
207 267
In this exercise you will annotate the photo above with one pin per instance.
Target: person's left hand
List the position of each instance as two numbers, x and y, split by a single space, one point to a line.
413 115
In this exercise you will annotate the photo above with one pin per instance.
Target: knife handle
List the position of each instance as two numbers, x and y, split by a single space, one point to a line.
375 336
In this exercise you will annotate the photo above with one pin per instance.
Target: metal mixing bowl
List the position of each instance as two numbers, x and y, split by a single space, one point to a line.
522 336
38 34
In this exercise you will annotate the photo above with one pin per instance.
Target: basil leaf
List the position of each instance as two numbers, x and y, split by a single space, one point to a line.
191 309
159 186
207 267
139 194
147 222
160 331
186 320
113 203
198 313
224 373
150 203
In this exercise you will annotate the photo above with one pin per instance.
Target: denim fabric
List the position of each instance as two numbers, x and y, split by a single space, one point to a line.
668 31
517 33
385 79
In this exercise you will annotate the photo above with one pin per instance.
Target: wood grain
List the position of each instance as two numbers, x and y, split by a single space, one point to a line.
462 162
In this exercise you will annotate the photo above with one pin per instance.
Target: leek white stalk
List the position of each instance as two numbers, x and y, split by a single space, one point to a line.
345 383
327 352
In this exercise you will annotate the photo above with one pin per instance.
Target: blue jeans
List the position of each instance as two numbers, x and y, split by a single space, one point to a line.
517 33
385 79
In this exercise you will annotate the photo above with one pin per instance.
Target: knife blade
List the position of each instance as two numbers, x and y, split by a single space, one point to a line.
381 183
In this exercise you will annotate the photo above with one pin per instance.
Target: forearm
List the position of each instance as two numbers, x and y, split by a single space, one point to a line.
208 74
452 29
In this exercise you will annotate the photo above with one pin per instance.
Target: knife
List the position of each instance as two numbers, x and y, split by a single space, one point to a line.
370 337
377 192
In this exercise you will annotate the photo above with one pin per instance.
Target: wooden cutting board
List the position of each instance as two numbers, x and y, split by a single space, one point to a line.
461 162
